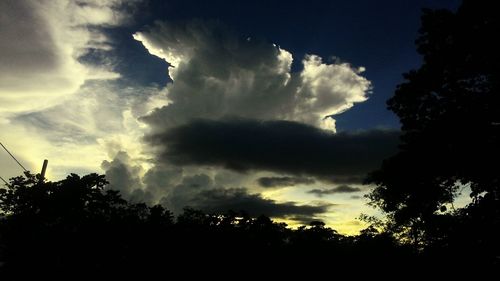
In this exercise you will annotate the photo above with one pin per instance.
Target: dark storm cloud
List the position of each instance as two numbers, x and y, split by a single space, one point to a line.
339 189
201 192
279 146
221 200
283 181
305 220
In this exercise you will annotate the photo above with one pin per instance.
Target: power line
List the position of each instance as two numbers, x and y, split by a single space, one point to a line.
13 157
4 181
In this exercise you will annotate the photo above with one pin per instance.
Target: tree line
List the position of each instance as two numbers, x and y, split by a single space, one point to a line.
75 225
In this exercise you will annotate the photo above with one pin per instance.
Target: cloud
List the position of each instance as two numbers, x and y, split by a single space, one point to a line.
42 43
283 181
122 174
160 179
339 189
279 146
216 74
61 101
97 110
185 193
95 123
237 199
201 191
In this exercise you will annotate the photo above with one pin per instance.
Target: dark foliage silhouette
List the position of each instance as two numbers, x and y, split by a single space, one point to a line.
58 229
55 228
451 127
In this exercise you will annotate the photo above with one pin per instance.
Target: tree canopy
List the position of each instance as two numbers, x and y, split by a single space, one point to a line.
450 120
76 225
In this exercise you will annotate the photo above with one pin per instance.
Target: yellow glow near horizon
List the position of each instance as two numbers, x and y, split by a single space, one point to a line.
342 215
349 228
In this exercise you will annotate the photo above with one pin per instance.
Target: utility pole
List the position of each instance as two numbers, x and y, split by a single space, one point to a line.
44 169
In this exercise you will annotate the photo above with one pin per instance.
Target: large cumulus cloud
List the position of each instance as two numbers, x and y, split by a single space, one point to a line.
53 90
235 104
216 73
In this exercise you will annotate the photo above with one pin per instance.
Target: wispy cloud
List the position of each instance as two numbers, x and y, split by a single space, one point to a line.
42 46
59 94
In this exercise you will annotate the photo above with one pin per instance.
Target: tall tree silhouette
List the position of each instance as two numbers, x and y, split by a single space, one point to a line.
451 127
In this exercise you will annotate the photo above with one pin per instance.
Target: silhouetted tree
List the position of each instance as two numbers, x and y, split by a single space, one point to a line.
75 225
57 229
449 111
54 228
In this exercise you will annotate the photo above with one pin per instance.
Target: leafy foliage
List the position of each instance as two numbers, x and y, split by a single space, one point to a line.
75 225
451 137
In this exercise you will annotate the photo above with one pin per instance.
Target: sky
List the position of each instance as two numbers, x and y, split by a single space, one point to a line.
273 107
